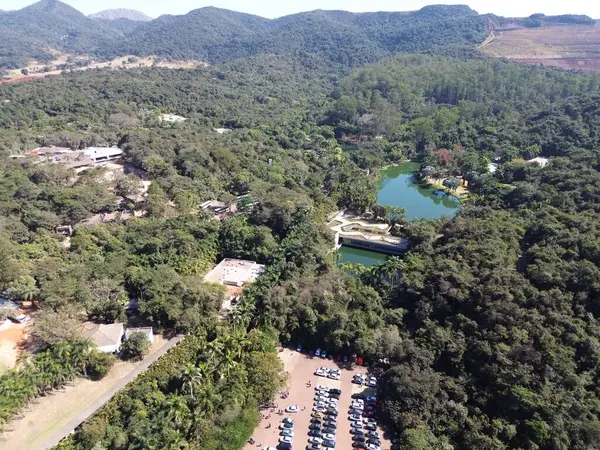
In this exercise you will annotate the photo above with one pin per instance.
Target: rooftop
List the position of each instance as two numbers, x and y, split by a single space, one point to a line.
235 272
103 335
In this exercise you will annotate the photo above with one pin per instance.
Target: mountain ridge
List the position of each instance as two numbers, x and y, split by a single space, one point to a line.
217 35
121 13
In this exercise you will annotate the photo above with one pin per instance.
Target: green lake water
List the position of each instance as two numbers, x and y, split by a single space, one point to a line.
358 256
396 188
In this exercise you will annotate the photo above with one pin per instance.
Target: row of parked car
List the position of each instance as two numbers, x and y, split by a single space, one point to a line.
363 426
323 422
363 380
333 374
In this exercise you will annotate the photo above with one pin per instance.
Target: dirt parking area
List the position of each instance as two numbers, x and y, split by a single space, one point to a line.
11 336
302 368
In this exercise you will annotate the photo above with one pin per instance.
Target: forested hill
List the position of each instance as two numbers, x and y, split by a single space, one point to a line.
217 35
33 32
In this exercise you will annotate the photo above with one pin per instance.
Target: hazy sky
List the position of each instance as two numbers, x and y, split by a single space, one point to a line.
276 8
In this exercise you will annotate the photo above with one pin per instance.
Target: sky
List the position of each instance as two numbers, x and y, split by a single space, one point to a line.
277 8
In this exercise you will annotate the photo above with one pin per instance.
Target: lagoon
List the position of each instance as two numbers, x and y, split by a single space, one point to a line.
397 188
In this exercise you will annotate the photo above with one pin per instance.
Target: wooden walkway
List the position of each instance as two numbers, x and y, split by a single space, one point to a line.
101 401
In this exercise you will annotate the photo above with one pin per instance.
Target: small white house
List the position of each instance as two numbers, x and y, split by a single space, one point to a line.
146 330
107 338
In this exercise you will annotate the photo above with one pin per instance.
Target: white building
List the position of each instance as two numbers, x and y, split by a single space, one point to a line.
146 330
107 338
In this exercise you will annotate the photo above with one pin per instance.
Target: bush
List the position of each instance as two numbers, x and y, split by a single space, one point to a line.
135 347
99 364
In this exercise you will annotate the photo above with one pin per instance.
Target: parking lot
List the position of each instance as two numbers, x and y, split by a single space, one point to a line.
302 370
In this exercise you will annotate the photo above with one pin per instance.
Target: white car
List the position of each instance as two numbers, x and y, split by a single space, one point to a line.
320 373
286 439
373 447
287 432
329 437
315 440
333 376
372 383
269 448
292 409
321 404
355 418
332 402
320 398
320 387
319 409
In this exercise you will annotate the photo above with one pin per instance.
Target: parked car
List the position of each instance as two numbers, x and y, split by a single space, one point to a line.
357 444
286 439
286 425
331 423
345 359
354 417
318 352
313 447
323 354
329 431
318 409
315 433
328 437
319 387
371 427
292 409
287 432
373 434
315 440
315 420
373 398
320 373
329 443
335 391
356 424
373 447
357 431
358 395
334 376
332 412
288 420
357 438
376 442
316 415
299 348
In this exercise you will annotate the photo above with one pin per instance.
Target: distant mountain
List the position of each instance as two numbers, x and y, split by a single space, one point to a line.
217 35
37 30
121 13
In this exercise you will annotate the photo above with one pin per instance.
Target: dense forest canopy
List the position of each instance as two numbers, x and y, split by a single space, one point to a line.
490 322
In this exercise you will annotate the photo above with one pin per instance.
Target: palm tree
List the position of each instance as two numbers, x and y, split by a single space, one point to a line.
208 399
191 377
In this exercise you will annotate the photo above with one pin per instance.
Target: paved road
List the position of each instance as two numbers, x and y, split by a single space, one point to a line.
100 402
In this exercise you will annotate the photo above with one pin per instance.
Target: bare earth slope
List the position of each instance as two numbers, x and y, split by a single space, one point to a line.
559 45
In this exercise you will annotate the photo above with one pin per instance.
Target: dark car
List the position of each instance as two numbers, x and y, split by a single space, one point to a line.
314 447
357 444
357 438
315 433
335 391
373 434
328 443
314 426
331 412
370 408
336 396
315 420
374 442
371 427
329 430
358 395
331 423
284 446
357 432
